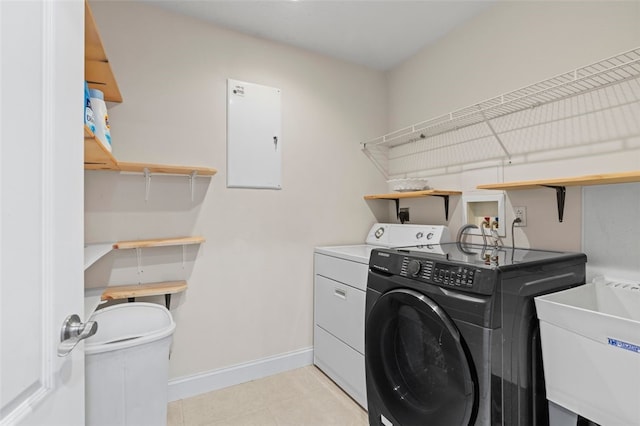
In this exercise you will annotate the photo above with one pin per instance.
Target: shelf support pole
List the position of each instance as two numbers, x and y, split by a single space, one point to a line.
561 193
446 205
139 262
147 183
192 178
493 131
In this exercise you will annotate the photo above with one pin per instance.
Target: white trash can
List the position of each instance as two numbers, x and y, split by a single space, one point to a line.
127 365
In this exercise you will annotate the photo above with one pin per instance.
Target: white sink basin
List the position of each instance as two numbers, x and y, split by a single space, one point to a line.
591 350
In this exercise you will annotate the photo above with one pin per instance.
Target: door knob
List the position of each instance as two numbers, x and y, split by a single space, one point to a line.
73 330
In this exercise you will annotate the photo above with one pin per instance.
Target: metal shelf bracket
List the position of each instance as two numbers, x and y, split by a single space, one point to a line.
494 133
147 183
192 178
444 197
167 300
446 205
561 193
139 262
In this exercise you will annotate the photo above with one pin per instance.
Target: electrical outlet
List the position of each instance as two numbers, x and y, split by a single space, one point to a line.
521 212
403 214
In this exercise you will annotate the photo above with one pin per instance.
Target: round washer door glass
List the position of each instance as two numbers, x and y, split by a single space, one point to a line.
417 361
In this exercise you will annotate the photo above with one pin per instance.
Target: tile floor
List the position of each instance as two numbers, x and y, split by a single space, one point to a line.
301 397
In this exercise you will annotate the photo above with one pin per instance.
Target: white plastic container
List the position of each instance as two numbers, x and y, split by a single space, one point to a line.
127 366
101 118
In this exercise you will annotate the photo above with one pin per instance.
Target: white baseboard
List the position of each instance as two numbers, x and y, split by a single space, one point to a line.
188 386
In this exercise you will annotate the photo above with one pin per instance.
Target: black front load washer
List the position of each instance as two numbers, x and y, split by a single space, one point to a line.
452 337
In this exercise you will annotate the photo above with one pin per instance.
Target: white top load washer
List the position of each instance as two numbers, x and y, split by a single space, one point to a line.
340 285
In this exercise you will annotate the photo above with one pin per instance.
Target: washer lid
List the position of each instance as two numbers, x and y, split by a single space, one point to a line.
356 253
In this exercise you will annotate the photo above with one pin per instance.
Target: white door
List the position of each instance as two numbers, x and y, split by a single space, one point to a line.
41 209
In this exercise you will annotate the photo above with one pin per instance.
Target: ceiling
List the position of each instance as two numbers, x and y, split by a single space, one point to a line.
377 34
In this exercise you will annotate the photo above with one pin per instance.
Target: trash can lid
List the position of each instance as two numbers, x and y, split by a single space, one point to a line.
129 324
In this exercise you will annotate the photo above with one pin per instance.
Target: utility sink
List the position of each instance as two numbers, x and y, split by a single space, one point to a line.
591 350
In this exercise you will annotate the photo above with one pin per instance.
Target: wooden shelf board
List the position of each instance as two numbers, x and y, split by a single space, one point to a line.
599 179
97 69
159 242
96 156
99 76
142 290
165 168
411 194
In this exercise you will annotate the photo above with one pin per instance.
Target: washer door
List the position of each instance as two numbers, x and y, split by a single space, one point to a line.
417 361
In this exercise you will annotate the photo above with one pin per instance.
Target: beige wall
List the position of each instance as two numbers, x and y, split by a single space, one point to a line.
250 291
509 46
250 285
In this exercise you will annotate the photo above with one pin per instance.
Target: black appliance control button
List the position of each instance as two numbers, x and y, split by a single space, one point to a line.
413 268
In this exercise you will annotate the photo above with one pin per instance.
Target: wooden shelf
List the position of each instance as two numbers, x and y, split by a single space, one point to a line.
97 70
130 292
588 180
560 184
96 157
99 76
159 242
396 196
142 290
166 169
411 194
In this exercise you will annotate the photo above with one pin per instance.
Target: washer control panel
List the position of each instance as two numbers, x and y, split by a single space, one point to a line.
452 275
439 273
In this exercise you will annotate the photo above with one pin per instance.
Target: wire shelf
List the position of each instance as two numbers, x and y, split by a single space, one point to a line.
596 103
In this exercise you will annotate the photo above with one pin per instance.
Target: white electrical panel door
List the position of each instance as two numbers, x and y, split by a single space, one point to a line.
254 127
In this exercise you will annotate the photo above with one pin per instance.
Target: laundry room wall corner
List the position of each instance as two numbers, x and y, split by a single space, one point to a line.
509 46
250 294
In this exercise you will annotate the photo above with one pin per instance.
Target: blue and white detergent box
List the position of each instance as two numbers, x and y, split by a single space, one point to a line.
89 118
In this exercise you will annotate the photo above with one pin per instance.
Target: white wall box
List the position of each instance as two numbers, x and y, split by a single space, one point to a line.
478 206
567 113
254 129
